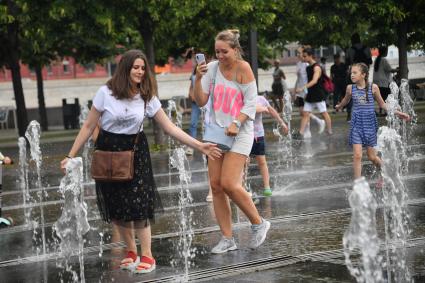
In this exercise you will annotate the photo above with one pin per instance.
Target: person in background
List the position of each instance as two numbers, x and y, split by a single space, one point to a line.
4 160
300 95
278 86
339 78
357 53
315 97
382 74
323 64
259 148
195 113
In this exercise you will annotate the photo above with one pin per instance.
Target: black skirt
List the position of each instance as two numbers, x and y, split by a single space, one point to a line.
134 200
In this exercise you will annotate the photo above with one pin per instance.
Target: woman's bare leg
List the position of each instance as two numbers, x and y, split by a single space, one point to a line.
221 203
127 234
233 164
144 234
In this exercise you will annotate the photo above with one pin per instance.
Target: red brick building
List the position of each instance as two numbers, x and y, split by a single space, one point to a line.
69 69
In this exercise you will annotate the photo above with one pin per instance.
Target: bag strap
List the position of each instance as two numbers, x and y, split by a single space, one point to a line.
215 69
136 140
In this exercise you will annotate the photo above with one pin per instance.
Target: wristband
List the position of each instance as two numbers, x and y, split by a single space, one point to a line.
237 123
67 156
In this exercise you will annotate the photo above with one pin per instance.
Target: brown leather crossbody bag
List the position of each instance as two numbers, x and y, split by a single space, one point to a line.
114 166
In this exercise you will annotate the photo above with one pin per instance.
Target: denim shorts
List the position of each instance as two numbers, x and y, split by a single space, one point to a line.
258 147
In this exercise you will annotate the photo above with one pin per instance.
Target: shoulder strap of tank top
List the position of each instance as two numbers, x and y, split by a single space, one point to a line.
214 77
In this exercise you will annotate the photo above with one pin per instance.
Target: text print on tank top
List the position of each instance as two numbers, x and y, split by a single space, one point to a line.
223 97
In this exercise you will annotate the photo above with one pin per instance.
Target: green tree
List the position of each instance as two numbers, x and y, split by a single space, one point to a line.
399 22
323 22
11 17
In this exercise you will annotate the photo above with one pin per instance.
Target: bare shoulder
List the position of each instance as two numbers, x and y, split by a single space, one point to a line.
317 69
245 74
375 88
349 88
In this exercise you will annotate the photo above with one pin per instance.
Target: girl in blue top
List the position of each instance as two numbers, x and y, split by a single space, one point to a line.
364 124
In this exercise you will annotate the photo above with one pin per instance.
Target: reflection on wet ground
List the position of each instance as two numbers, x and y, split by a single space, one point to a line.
309 212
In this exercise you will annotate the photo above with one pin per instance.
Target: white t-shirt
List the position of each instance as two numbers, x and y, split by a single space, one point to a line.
230 97
123 116
258 122
302 79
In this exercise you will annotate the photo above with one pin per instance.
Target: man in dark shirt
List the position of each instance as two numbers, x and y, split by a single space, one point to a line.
357 53
339 78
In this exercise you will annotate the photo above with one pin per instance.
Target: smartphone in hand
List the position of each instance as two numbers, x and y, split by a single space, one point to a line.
200 58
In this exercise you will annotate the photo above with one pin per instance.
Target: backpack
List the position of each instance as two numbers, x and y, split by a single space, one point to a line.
327 84
360 56
325 81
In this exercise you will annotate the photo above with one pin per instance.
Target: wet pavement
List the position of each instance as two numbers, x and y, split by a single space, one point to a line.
309 213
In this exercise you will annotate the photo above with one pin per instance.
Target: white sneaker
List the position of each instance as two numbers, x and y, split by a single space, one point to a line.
224 245
189 151
322 125
307 133
259 233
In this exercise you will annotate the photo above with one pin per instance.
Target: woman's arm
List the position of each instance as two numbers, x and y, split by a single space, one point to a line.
83 135
283 74
207 148
201 98
346 98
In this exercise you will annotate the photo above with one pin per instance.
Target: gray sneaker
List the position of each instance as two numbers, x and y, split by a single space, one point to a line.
224 245
258 234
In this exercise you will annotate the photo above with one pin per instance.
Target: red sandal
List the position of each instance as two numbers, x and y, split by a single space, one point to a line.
130 261
146 265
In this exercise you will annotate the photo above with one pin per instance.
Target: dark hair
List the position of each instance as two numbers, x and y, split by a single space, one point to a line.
231 36
322 59
355 38
309 51
120 83
337 56
364 69
383 50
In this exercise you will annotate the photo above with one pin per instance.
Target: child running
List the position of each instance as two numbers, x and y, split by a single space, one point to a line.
258 148
364 124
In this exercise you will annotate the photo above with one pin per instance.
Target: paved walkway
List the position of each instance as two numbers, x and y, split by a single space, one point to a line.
309 212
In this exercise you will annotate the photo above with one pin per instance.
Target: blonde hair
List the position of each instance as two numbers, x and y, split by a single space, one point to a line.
231 37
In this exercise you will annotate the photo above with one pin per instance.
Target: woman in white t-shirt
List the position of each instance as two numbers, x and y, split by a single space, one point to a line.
233 109
120 107
382 74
